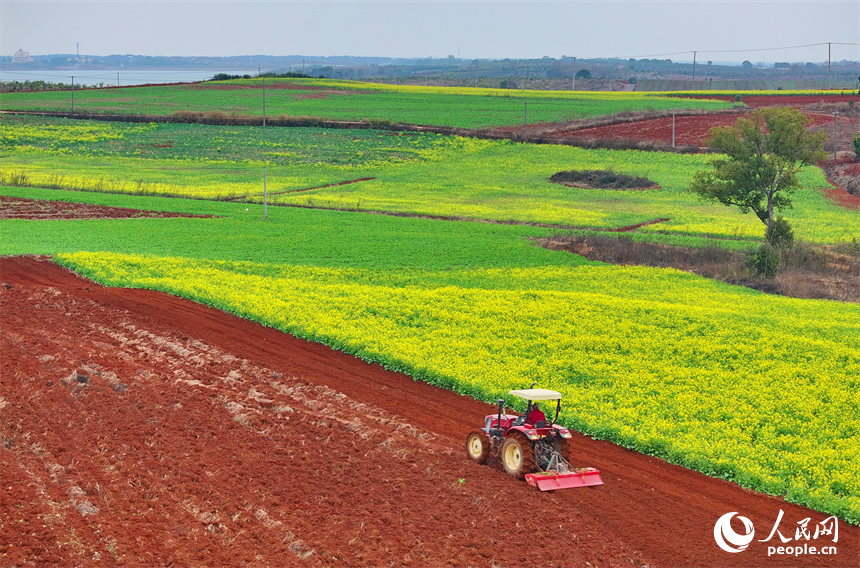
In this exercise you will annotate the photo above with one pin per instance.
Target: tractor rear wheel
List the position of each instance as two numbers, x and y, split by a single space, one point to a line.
518 456
478 446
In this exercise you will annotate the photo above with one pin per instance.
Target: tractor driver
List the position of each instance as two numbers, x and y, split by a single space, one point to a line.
536 415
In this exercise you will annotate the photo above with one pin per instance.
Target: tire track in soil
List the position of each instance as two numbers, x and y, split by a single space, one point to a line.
143 429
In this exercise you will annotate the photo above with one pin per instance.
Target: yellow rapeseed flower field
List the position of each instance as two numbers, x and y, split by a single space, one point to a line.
757 389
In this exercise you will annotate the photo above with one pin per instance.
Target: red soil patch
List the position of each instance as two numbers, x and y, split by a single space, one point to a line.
143 429
843 174
841 197
21 208
689 130
853 170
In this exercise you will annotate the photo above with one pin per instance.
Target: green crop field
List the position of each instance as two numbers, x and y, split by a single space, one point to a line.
757 389
351 101
414 173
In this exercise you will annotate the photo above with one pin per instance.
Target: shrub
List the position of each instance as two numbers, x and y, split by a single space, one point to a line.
851 247
806 256
780 235
601 179
765 261
225 77
191 116
857 145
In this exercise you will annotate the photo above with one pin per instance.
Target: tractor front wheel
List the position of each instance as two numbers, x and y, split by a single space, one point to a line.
518 457
478 446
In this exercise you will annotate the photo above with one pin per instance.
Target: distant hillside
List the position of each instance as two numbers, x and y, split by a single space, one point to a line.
543 73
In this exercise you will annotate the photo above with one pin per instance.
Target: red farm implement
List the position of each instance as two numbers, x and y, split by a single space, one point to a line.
530 446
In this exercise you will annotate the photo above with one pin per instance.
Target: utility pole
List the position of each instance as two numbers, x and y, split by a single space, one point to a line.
264 95
526 123
573 85
694 71
828 64
117 79
73 94
673 127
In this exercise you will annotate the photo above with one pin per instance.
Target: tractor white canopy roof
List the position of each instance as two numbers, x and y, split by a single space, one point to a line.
536 394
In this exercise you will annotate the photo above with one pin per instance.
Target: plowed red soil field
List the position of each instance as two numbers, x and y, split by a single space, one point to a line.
689 130
21 208
140 429
692 130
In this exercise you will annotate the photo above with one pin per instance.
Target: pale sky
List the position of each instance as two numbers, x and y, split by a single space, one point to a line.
721 30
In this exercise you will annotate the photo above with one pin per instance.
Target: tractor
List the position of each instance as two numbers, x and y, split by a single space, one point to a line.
529 446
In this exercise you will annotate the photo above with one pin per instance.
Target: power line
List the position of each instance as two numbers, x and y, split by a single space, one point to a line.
736 50
779 48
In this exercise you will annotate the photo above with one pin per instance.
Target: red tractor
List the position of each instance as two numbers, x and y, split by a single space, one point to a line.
530 446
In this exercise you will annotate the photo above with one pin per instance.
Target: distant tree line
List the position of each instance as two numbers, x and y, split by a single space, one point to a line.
288 75
16 86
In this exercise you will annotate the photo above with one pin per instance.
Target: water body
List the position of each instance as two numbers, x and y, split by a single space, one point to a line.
121 77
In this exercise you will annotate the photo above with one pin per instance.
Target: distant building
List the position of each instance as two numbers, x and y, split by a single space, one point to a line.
21 56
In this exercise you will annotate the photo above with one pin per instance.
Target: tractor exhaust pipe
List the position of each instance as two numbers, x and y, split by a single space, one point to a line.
501 406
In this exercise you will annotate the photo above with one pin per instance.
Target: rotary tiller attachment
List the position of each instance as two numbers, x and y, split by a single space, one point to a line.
559 474
552 480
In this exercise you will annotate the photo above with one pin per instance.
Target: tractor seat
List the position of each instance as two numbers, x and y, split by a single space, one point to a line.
539 424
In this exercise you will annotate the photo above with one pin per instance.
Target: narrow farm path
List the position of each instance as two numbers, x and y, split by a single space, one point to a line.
260 194
143 429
